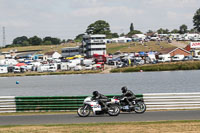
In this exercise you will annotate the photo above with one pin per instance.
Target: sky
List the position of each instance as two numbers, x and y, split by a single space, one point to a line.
66 19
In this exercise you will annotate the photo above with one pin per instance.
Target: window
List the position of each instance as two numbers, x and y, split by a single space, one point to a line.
96 49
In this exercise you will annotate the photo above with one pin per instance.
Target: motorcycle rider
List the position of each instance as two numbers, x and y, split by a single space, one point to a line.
128 95
101 99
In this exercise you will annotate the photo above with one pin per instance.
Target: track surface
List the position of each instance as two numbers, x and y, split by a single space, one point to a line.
123 117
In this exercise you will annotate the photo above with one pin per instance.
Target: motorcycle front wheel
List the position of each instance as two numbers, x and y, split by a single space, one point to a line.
140 107
84 111
113 110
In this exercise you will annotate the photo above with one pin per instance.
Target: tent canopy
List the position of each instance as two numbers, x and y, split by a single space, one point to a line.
20 64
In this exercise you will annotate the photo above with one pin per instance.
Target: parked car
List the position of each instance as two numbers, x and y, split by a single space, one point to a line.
18 69
120 64
188 58
139 62
89 67
52 69
196 58
99 66
154 38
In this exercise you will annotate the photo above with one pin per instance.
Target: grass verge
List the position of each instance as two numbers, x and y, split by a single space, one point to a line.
49 73
188 65
36 113
188 126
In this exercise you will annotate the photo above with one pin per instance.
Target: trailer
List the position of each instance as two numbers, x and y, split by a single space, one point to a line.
164 58
64 66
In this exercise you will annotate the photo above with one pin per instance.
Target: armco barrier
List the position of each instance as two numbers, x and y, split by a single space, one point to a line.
7 104
51 103
170 101
154 101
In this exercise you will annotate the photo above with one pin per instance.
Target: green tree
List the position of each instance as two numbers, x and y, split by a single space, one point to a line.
20 40
163 31
150 31
192 31
51 40
47 39
131 27
183 29
47 43
196 20
63 41
25 43
131 33
122 34
35 40
79 38
115 35
55 41
175 31
99 27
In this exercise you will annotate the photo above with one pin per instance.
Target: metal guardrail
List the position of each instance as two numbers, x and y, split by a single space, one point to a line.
7 104
154 101
51 103
171 101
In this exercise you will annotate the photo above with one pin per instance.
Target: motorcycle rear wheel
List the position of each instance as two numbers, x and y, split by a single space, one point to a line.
84 111
140 107
113 110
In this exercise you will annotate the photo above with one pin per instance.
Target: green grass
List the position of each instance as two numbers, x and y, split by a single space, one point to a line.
191 65
110 123
136 47
50 73
111 47
44 48
183 126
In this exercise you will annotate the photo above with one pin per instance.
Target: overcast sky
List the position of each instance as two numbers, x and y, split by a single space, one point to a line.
67 18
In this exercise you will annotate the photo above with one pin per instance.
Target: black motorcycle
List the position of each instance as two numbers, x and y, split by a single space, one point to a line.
139 105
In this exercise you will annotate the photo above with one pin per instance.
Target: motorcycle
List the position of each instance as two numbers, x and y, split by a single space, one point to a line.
90 105
138 105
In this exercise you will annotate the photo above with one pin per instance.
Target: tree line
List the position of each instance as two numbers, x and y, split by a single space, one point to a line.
35 40
103 27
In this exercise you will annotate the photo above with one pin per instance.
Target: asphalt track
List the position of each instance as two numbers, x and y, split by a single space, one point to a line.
123 117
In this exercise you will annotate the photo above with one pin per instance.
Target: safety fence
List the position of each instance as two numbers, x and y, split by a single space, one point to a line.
154 101
172 101
7 104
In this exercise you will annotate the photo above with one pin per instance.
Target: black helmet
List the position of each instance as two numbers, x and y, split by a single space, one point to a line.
95 93
124 89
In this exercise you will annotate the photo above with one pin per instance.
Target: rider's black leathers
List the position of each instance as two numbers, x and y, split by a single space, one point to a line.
101 99
129 96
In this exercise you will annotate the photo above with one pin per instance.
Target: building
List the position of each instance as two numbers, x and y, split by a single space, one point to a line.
175 51
93 44
53 55
70 51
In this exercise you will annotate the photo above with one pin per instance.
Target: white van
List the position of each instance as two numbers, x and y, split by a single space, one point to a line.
164 58
64 66
17 69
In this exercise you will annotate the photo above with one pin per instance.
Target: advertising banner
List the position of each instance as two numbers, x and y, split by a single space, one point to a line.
195 45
